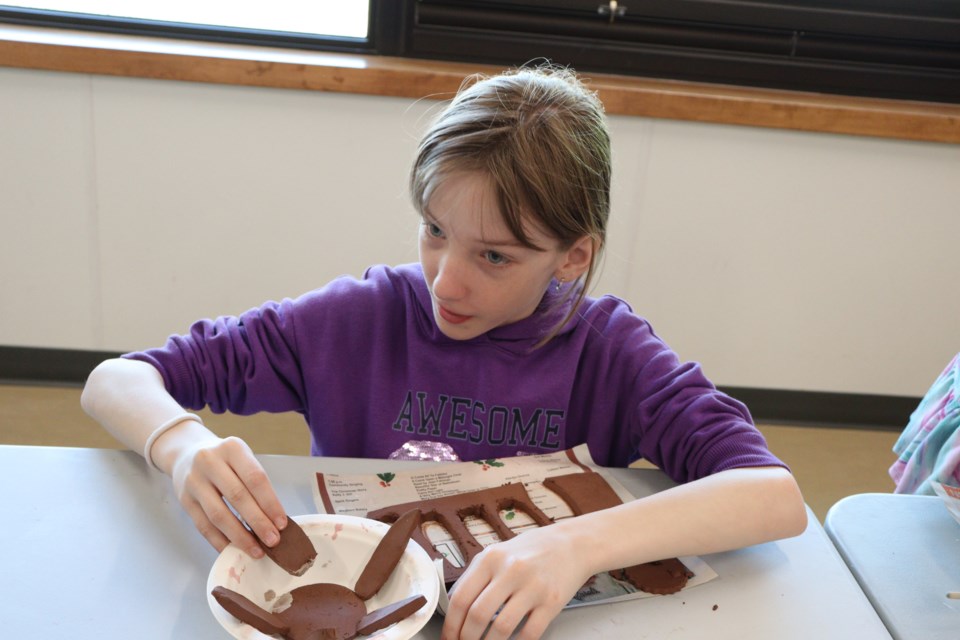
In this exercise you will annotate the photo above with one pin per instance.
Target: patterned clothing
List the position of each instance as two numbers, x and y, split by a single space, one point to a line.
929 447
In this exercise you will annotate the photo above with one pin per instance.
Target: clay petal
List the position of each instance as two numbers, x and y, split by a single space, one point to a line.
295 552
245 610
385 616
387 554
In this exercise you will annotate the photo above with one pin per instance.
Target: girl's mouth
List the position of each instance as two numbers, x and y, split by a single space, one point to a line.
450 316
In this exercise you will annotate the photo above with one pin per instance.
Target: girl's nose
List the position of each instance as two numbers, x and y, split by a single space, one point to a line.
450 283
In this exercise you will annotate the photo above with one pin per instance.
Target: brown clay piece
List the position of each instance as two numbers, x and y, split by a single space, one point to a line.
294 553
583 492
243 609
386 556
661 577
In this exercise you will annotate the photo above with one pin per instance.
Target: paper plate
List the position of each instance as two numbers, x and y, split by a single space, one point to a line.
343 544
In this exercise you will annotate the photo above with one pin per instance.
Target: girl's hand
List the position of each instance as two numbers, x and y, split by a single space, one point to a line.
215 473
533 575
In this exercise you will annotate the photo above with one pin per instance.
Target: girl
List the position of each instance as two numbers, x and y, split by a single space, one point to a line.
489 347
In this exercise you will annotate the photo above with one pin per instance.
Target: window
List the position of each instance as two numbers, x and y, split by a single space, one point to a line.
344 19
907 49
340 25
888 48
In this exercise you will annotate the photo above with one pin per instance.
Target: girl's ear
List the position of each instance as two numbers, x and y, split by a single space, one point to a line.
577 259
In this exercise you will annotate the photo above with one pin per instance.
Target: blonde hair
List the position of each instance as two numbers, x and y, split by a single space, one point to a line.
541 137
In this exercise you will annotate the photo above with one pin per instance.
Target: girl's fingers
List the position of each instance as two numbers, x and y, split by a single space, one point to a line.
215 479
269 517
490 618
537 623
212 535
468 588
480 594
500 624
218 517
513 586
508 618
521 613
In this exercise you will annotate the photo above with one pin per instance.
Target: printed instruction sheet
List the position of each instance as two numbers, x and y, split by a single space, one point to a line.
358 494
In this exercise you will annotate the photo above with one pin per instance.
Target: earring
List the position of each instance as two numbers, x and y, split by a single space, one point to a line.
560 280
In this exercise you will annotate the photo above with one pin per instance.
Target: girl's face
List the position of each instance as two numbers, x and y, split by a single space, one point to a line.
480 277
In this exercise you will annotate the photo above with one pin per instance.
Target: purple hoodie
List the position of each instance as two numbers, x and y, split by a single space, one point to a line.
366 365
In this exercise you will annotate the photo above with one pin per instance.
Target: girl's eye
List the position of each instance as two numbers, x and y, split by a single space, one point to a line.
433 230
496 258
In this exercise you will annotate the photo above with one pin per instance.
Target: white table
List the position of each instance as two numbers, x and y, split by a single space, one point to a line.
95 545
905 552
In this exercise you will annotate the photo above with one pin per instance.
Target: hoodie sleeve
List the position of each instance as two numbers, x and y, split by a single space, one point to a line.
689 428
664 409
242 364
293 355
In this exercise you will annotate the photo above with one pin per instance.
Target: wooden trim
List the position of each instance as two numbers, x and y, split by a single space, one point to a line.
873 117
77 52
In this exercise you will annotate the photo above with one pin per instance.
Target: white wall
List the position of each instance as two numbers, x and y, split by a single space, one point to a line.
129 208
